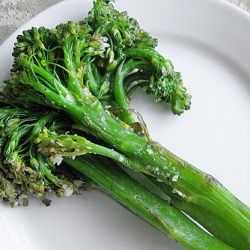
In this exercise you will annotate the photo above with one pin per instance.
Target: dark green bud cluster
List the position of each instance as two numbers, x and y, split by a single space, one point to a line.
171 90
23 170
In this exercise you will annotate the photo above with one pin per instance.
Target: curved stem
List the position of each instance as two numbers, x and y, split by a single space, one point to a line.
124 70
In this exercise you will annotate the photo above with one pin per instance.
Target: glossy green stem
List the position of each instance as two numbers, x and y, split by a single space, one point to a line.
190 183
145 204
214 224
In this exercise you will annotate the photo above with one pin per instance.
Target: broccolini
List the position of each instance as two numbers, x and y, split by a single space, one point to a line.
87 71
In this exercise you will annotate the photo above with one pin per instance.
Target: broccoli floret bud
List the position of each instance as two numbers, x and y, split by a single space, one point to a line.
169 88
122 31
23 170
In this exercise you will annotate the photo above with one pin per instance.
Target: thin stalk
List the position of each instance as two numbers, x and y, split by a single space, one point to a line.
145 204
120 91
214 224
192 184
73 145
196 186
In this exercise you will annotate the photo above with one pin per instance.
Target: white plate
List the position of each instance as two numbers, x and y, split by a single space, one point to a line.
209 42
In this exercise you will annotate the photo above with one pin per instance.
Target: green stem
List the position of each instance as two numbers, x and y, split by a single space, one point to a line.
52 144
150 55
216 225
93 76
145 204
196 186
73 145
120 93
193 184
53 83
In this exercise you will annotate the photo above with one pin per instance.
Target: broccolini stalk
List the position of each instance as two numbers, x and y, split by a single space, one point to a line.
52 145
214 224
78 102
116 183
144 203
73 68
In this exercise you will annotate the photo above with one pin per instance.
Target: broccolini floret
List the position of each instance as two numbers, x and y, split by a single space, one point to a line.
23 170
91 51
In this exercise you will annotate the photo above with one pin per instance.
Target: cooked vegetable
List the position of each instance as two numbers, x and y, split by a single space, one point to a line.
87 71
29 172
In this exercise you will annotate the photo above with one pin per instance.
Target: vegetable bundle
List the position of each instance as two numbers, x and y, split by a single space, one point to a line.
66 125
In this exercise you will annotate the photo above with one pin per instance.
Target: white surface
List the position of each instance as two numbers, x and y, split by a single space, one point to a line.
209 42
